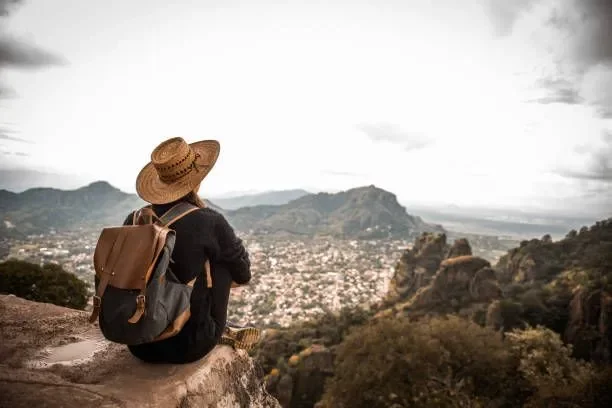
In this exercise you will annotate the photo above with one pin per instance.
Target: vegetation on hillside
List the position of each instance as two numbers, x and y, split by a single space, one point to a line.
48 283
453 362
544 343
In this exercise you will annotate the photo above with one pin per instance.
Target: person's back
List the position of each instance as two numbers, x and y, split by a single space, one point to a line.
174 175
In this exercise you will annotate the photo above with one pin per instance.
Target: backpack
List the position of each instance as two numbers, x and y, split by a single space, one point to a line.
138 299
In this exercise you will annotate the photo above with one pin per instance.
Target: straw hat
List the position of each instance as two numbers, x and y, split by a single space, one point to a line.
175 169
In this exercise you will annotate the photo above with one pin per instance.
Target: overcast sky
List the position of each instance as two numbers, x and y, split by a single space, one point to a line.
472 102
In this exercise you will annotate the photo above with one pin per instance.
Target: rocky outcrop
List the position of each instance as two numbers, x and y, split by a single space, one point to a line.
417 266
51 356
459 281
464 285
461 247
301 382
589 328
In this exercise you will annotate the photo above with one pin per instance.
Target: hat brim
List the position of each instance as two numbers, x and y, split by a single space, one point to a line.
153 190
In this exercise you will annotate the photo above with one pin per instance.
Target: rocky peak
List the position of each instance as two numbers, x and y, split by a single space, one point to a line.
460 247
417 266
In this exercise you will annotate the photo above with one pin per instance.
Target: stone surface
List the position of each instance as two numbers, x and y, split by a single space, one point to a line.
417 266
51 357
464 285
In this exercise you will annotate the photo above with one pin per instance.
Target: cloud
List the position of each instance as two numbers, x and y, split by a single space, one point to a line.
558 90
18 54
597 164
385 132
5 135
5 6
577 35
8 153
504 13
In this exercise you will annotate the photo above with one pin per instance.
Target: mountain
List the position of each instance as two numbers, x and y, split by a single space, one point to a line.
267 198
364 212
39 209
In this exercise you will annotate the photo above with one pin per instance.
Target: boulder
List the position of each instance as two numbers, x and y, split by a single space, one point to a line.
417 266
589 329
51 356
463 284
461 247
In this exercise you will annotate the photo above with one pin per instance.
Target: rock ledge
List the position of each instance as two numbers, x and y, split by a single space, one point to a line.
50 356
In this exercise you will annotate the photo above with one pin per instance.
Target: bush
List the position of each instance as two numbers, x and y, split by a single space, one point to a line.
442 362
554 377
49 283
453 362
328 330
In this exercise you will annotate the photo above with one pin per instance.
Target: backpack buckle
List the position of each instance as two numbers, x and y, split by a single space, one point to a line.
140 309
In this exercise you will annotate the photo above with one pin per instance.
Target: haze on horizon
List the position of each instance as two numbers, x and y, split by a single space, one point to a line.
473 103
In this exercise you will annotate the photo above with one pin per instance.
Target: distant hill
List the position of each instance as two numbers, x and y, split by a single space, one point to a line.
365 212
510 223
39 209
268 198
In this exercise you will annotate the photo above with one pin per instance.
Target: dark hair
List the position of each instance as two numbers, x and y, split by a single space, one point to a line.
193 198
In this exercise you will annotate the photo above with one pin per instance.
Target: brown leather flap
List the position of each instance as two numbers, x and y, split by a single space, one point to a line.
126 253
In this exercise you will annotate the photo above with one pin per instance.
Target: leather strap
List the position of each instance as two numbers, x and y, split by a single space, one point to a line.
106 276
141 298
147 213
177 212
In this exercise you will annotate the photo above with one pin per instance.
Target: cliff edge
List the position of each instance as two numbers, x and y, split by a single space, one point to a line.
50 356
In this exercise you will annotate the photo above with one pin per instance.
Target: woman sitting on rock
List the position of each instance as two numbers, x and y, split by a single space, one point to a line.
204 242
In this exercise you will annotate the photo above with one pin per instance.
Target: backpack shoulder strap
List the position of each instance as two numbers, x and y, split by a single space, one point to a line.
142 212
177 212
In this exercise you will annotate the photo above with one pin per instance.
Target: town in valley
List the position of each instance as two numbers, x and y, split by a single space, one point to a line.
293 278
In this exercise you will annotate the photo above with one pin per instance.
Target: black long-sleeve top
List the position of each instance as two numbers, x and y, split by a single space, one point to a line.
201 235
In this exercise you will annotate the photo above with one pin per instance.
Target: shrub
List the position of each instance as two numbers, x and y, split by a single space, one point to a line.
49 283
442 362
554 377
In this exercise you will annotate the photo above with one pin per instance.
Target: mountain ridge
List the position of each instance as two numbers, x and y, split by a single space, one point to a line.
362 212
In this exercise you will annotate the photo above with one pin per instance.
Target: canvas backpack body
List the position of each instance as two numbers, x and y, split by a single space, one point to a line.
138 299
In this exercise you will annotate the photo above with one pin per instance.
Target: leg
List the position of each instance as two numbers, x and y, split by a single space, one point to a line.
233 335
221 284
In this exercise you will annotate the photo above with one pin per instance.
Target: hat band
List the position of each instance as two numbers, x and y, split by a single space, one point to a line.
169 178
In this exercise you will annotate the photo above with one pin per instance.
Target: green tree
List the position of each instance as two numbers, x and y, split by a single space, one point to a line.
49 283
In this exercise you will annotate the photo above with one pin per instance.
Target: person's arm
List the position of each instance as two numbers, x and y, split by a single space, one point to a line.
232 252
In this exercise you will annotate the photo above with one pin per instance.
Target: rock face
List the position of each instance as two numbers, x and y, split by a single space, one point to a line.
461 247
589 328
462 284
303 383
51 356
460 280
417 266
